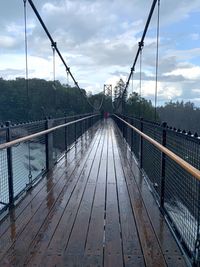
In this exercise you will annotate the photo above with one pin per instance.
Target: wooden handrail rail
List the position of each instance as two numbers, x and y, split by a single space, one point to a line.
185 165
32 136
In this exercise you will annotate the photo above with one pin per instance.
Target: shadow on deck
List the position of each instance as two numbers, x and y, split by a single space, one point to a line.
95 209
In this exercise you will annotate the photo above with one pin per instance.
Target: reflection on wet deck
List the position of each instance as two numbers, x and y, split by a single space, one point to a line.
94 209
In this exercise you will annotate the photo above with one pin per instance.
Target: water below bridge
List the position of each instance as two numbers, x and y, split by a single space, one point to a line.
94 209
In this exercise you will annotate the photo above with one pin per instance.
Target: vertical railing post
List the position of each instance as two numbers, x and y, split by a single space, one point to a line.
141 144
196 251
123 127
66 135
81 129
163 160
131 122
75 132
92 121
49 146
10 166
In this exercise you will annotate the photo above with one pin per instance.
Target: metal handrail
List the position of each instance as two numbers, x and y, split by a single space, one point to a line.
32 136
185 165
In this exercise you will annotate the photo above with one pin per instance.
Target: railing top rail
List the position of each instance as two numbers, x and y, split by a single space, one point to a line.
32 136
185 165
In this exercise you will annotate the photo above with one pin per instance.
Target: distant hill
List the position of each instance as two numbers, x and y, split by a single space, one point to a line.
44 98
184 116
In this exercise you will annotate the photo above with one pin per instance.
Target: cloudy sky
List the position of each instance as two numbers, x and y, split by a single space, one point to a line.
99 39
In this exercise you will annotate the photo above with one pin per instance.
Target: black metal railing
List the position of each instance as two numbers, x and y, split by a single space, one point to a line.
177 190
28 150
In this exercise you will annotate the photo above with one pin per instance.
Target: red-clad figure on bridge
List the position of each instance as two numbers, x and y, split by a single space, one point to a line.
106 115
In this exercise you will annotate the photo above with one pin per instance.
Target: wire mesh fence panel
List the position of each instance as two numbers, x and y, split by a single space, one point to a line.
79 129
182 192
128 132
152 165
71 134
153 130
152 156
58 139
28 158
4 189
185 146
136 138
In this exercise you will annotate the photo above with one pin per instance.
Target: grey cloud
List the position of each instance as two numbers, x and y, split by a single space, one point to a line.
119 73
9 73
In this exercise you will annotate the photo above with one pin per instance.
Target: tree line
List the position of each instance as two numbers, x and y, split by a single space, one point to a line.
46 98
179 115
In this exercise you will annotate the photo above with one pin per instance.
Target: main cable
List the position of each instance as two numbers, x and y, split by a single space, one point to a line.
58 51
140 46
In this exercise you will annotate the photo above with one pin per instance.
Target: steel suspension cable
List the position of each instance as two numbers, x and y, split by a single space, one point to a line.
54 64
54 76
26 52
27 84
140 44
140 89
132 82
157 59
58 51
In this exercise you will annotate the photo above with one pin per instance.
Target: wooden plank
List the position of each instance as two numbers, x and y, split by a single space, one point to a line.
77 239
167 242
6 240
95 168
50 227
76 244
30 231
113 245
93 254
110 161
7 221
94 243
151 249
57 244
132 251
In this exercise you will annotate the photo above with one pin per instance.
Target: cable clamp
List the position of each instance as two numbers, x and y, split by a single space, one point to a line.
141 45
53 45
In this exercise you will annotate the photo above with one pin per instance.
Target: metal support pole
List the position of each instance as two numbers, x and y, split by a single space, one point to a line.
141 144
66 136
10 166
49 146
131 135
123 128
75 132
163 158
82 130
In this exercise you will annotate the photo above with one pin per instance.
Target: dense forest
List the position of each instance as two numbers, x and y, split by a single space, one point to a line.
184 116
42 99
46 98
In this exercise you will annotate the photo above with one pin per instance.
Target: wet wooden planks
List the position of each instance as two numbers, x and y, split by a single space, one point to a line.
93 210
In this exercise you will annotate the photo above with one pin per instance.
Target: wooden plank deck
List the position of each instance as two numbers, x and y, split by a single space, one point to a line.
94 209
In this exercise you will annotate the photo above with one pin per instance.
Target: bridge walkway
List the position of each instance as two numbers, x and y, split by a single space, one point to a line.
94 209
